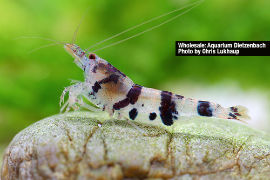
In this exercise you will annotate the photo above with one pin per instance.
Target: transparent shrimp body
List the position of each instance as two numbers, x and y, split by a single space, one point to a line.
78 91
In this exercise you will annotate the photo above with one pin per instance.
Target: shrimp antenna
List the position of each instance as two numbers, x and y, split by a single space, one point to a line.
146 22
44 46
78 27
38 37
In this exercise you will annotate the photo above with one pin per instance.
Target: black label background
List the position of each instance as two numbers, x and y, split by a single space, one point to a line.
242 51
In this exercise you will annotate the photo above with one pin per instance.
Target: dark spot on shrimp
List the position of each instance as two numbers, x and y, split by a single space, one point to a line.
101 66
167 108
218 106
142 105
133 113
204 109
234 109
131 97
82 54
152 116
233 116
96 87
90 93
94 70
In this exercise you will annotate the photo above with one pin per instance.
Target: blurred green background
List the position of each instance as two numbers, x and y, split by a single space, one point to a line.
30 84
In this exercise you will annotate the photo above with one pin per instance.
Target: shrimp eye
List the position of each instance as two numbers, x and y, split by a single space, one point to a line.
92 56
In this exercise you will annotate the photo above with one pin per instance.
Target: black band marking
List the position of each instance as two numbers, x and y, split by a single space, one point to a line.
134 93
132 97
133 113
167 108
113 69
152 116
112 78
121 104
204 109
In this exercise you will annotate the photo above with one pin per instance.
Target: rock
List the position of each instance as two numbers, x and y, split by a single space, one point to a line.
76 146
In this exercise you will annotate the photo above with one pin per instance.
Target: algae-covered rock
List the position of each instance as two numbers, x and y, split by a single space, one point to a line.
83 145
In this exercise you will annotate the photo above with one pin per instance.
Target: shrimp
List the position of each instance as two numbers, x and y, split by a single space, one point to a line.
112 91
